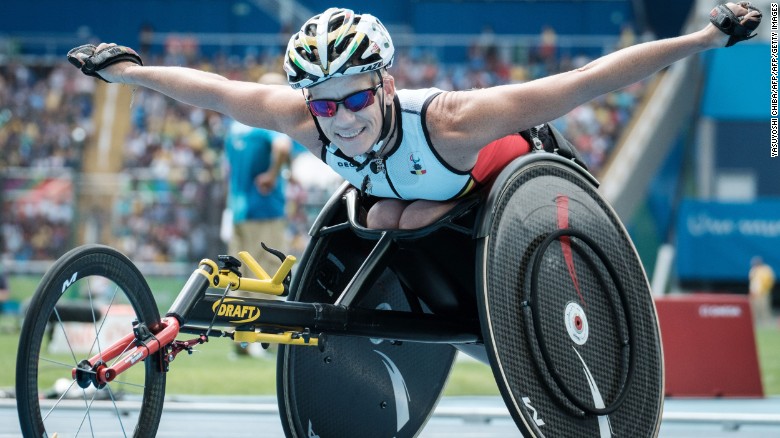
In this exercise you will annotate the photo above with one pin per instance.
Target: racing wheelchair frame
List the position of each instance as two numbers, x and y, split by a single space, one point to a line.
536 277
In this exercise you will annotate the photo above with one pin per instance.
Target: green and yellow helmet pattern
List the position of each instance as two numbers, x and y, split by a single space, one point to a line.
337 42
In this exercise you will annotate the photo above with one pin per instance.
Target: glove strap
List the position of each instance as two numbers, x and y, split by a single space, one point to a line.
724 19
110 56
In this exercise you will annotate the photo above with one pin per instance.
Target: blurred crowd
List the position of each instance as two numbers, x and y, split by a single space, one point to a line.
45 119
45 115
168 207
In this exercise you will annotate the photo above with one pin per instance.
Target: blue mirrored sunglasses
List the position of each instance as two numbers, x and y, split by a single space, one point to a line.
354 102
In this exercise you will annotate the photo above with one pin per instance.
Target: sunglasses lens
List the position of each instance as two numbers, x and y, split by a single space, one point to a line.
323 108
359 100
354 102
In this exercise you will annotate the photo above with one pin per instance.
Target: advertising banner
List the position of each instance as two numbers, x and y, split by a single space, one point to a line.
716 240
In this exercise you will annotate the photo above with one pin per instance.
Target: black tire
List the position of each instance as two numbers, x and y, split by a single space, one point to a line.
56 325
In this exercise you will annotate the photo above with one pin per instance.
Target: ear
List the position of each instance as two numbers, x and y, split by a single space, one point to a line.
388 84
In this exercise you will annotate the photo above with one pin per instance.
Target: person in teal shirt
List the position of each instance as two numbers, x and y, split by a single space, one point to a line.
256 188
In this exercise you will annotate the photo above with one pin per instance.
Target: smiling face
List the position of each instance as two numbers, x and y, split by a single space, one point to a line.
354 133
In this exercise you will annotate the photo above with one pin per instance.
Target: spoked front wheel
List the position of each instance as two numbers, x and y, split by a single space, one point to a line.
87 301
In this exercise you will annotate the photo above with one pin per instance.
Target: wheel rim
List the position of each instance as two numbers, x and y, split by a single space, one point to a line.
85 303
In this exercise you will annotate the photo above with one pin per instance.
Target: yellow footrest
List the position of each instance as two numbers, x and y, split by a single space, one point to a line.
289 338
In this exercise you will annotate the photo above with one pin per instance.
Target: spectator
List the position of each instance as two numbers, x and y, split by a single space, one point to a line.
256 193
762 280
256 189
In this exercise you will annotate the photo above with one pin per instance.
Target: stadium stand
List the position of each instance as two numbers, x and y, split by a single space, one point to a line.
170 153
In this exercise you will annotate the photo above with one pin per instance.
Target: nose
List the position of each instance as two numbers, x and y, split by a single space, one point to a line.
343 115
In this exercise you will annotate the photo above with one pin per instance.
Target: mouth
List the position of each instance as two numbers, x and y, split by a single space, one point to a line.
350 135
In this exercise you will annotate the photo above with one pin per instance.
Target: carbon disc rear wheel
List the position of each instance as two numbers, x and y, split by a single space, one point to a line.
566 311
355 386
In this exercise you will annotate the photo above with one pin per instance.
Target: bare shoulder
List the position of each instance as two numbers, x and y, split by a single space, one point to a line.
461 123
451 120
444 115
463 118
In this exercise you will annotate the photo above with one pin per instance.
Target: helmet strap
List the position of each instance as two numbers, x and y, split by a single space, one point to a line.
387 116
373 157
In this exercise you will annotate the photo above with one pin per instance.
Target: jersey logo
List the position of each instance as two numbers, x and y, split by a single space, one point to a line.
416 165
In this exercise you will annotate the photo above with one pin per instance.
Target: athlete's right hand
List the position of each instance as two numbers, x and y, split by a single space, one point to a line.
108 59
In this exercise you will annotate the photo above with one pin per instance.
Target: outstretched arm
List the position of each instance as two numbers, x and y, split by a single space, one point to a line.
462 122
274 107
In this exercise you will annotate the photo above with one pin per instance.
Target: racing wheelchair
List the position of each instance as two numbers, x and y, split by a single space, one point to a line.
535 276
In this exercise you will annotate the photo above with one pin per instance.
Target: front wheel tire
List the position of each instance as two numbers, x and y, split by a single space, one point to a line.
85 302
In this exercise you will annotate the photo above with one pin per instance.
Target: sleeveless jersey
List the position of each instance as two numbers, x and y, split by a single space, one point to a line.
412 169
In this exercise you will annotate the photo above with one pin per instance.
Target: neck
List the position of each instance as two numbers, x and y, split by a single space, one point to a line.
377 152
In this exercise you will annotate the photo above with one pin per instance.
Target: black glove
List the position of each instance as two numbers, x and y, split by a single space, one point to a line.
96 61
725 20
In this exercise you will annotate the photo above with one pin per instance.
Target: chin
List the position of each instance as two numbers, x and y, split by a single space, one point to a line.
352 150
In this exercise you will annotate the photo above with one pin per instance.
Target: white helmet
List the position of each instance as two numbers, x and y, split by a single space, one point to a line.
337 42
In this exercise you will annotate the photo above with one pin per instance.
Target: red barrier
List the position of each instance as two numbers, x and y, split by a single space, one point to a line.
709 346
